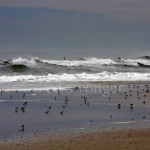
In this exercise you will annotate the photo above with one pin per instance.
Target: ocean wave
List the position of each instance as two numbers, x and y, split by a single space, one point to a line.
103 76
144 57
33 73
18 67
84 61
88 65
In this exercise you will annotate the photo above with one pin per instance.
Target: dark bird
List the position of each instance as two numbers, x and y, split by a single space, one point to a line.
22 128
23 96
144 102
63 106
144 117
49 107
61 112
25 103
119 106
23 109
85 98
47 112
131 106
16 110
66 98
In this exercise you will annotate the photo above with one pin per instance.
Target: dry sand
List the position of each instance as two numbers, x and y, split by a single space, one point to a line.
131 139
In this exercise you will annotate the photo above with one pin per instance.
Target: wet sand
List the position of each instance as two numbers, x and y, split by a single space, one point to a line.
106 117
131 139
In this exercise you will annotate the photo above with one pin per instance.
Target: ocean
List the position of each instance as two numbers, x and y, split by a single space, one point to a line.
41 74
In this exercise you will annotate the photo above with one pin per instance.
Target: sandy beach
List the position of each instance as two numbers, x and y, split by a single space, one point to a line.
131 139
100 117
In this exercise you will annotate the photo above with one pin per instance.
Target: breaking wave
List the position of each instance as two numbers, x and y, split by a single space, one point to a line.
35 70
65 66
103 76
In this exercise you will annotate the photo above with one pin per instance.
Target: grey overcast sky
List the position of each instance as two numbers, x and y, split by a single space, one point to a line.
74 28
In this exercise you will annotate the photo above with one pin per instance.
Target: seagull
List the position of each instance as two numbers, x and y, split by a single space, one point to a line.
61 112
47 112
25 103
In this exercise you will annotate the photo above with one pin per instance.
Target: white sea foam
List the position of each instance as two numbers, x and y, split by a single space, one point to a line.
129 122
88 70
27 62
103 76
134 61
125 122
95 62
86 62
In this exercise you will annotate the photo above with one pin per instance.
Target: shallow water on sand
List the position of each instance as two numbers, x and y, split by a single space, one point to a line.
82 110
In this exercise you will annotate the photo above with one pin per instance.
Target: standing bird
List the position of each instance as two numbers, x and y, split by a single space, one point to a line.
119 106
16 110
61 112
22 128
47 112
64 106
131 106
23 109
49 107
24 95
144 102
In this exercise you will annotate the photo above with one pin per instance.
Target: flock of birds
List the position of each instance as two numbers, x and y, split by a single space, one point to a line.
141 93
66 100
145 90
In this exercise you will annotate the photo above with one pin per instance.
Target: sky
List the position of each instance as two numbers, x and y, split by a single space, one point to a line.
74 28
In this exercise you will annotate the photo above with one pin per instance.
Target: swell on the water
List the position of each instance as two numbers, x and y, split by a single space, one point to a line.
23 71
18 67
93 65
145 57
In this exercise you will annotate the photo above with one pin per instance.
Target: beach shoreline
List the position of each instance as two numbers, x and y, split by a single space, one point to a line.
131 139
77 118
